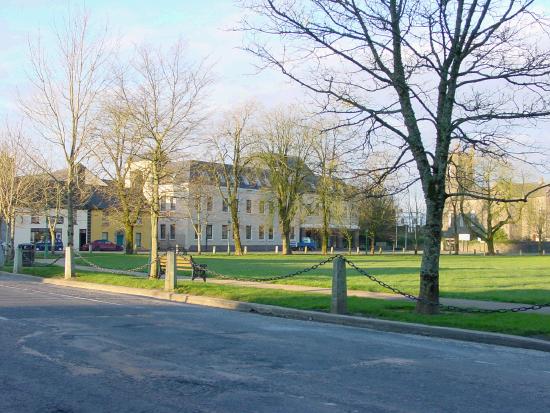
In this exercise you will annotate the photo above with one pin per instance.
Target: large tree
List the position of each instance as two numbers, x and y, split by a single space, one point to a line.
417 75
284 147
164 95
116 146
230 147
66 81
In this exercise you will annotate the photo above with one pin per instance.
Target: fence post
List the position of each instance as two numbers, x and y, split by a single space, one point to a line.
214 250
170 279
17 260
339 300
69 263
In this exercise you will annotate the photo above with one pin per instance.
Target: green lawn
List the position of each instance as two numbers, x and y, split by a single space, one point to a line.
534 325
503 278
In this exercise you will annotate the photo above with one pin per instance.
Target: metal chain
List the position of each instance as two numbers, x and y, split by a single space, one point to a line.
265 279
442 306
116 271
51 263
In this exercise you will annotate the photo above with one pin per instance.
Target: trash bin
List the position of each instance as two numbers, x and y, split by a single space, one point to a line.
27 254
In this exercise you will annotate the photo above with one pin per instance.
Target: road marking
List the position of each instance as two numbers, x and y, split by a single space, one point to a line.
59 295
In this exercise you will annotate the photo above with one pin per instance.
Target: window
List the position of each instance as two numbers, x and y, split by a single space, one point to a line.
105 218
163 203
248 206
291 232
138 239
35 220
209 203
270 233
60 220
262 207
172 231
261 234
162 231
105 236
248 230
139 220
225 230
271 208
209 232
224 206
172 204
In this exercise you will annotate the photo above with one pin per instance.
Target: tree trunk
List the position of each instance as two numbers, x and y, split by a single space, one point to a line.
490 245
154 269
52 240
199 242
429 270
286 243
70 207
11 251
129 235
236 232
372 245
324 231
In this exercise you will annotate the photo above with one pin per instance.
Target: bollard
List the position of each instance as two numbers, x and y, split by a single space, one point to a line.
170 279
332 250
305 249
338 303
276 249
543 252
475 251
245 250
214 250
17 260
90 248
69 263
177 249
520 252
403 250
357 251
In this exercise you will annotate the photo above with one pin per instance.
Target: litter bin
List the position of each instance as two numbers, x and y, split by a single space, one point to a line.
27 254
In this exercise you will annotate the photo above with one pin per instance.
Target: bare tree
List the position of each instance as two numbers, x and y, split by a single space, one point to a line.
116 146
18 186
327 165
283 150
164 95
491 180
538 219
66 85
417 75
230 148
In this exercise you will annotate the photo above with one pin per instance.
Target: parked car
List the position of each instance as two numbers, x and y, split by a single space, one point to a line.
45 245
305 242
101 245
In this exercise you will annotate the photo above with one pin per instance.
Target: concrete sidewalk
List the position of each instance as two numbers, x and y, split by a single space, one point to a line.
458 302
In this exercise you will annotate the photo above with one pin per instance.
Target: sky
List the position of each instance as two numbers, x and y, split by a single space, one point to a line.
205 27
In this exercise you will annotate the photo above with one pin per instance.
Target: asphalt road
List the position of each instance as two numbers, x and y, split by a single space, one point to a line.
69 350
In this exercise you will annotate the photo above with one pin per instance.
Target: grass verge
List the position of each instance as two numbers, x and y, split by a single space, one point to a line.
523 324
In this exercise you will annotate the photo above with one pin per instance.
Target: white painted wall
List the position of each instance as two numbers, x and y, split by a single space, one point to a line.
23 226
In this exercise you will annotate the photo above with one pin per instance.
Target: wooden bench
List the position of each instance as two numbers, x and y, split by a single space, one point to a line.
185 262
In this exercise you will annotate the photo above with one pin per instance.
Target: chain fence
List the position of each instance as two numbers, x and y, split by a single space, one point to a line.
353 265
444 307
114 270
269 278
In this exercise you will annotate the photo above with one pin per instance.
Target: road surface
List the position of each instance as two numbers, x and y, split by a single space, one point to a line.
70 350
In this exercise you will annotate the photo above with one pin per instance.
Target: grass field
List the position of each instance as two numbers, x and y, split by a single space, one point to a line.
532 324
524 279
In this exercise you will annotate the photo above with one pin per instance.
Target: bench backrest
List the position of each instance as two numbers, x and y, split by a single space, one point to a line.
182 263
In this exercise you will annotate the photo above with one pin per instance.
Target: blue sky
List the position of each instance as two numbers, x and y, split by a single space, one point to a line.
203 25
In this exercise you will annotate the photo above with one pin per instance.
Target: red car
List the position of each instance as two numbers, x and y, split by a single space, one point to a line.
102 245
